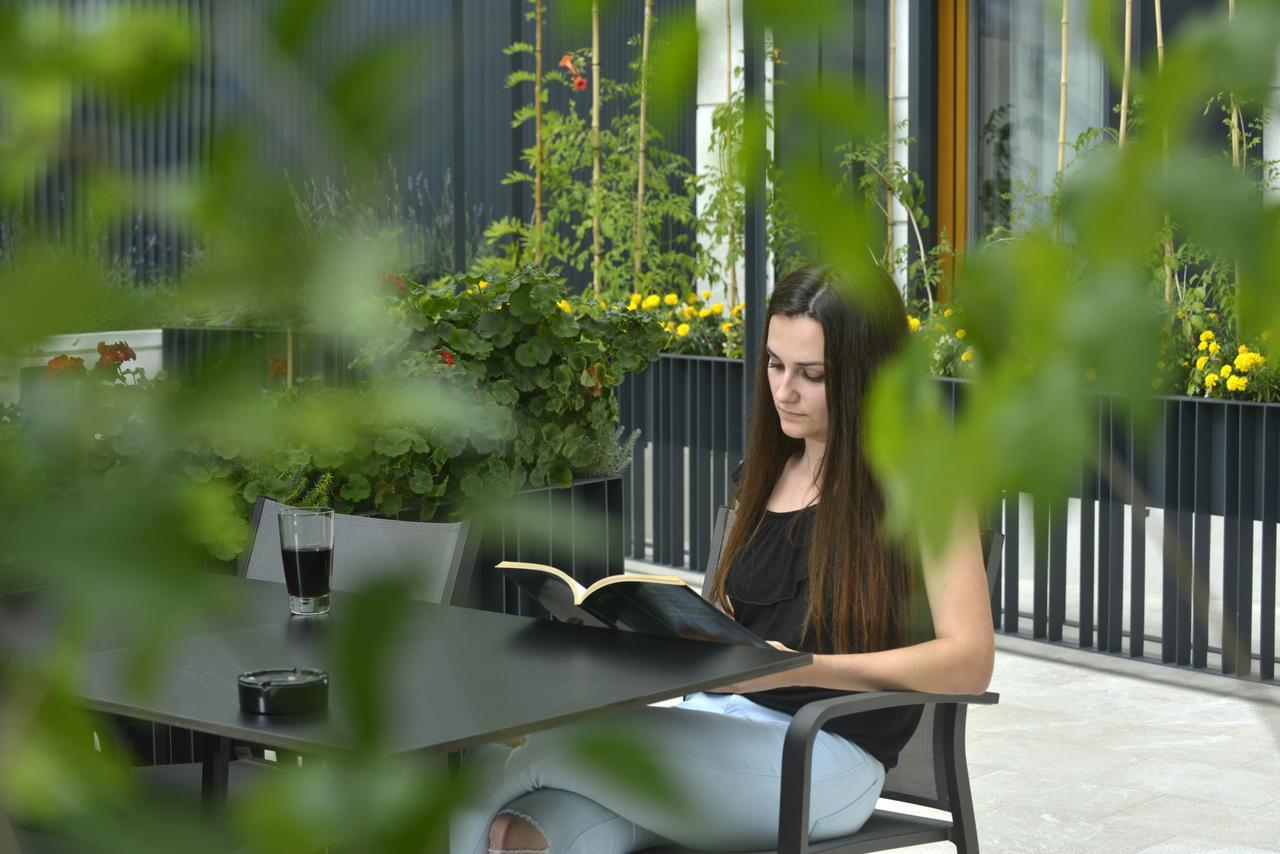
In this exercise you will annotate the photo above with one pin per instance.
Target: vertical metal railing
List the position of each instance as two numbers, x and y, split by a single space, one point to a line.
690 411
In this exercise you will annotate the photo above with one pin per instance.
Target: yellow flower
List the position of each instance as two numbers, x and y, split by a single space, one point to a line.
1232 382
706 294
671 299
1204 345
1201 362
738 309
1214 347
1242 383
564 306
1207 335
1213 315
682 330
967 355
652 301
1243 349
686 311
636 297
669 326
631 306
691 298
1226 371
726 326
705 312
717 308
603 304
913 323
960 334
947 312
1210 381
1246 362
482 284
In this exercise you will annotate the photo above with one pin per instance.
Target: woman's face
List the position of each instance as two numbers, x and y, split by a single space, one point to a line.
797 376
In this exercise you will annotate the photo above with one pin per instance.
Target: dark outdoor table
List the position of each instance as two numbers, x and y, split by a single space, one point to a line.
460 677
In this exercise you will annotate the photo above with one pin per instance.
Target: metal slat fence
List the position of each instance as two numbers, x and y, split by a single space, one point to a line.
1166 548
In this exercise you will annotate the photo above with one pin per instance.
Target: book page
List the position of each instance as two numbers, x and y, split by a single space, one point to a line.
632 578
551 589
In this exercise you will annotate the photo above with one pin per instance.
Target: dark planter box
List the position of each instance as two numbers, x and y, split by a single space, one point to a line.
577 529
197 355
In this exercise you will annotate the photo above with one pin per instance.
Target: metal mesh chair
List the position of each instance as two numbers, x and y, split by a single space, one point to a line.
931 770
436 558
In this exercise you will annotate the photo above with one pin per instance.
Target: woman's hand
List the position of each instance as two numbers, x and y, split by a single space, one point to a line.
766 683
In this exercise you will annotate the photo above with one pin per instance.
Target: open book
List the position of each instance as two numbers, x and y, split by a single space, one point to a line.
652 604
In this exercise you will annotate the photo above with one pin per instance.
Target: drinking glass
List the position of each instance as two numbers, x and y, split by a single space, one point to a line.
306 546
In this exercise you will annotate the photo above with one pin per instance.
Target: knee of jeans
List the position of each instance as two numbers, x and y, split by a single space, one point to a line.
561 816
509 833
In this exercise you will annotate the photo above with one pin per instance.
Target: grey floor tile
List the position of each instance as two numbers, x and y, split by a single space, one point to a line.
1072 800
1206 781
1220 824
1063 760
1196 845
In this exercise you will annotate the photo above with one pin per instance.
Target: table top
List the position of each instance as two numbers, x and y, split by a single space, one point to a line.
457 677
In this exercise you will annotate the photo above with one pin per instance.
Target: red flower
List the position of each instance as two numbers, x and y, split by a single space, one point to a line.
566 61
390 280
62 365
580 83
278 368
110 355
445 356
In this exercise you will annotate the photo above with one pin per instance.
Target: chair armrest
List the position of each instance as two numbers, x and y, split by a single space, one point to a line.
797 750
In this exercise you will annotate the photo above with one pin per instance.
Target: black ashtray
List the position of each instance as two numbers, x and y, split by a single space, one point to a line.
284 691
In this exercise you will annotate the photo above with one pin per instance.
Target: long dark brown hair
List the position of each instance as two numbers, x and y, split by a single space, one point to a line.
860 581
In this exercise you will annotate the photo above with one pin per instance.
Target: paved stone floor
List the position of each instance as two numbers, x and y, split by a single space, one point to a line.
1094 753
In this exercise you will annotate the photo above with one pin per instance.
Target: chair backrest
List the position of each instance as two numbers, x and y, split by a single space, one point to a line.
437 558
920 776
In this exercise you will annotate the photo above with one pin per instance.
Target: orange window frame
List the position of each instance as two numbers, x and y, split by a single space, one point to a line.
953 127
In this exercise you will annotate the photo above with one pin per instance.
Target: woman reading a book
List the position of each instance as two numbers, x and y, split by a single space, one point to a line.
807 566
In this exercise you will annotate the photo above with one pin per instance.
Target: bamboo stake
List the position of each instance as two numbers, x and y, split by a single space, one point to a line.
888 187
1236 160
638 245
1164 148
1237 147
1062 109
1128 68
595 145
727 161
537 132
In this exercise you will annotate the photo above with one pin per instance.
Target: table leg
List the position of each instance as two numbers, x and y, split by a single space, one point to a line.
215 761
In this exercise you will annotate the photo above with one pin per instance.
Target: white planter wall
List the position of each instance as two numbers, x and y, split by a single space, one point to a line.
145 342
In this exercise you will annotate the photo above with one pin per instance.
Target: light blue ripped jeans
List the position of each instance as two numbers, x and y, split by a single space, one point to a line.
722 753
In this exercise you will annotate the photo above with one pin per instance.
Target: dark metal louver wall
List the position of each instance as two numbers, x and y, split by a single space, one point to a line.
238 78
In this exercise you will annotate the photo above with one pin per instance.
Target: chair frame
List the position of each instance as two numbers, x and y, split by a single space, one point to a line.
885 829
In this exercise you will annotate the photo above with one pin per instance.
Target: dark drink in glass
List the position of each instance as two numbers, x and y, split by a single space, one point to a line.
306 550
306 571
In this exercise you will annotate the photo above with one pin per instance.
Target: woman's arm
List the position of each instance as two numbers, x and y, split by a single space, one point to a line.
959 659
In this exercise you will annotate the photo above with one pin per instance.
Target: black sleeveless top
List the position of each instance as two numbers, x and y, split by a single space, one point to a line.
768 588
